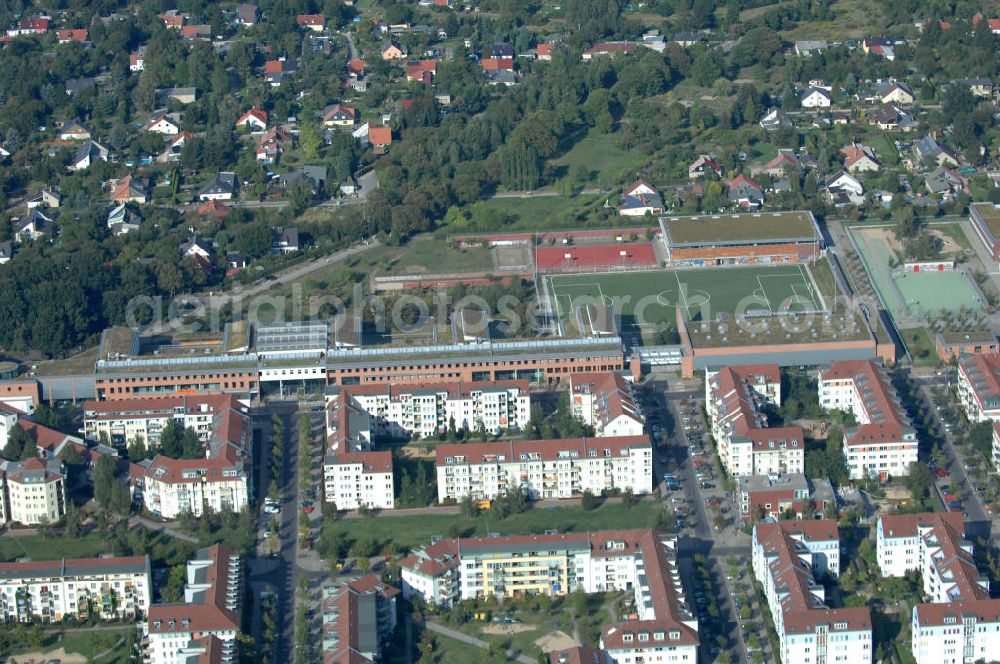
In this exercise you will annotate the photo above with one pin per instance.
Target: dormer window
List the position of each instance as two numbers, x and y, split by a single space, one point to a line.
644 636
675 634
627 637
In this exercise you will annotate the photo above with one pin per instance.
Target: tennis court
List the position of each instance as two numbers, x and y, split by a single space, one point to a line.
913 295
650 299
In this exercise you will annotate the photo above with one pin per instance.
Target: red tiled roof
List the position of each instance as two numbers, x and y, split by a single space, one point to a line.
310 19
888 422
614 394
380 136
212 614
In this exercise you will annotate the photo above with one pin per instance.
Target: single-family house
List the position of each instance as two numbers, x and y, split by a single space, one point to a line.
929 151
340 115
497 64
545 51
314 176
6 252
68 35
38 25
842 188
894 92
167 124
186 95
254 120
173 19
272 143
88 153
137 60
945 182
783 162
775 119
172 148
35 226
217 210
74 130
284 240
314 22
611 48
221 188
421 70
235 261
393 50
504 77
46 197
123 218
890 117
860 159
880 46
981 87
703 165
639 199
247 14
279 70
4 152
380 138
815 98
199 31
807 47
745 193
688 39
129 190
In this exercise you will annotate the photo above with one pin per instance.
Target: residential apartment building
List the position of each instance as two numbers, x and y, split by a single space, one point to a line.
425 410
35 491
735 398
662 629
883 444
222 481
208 619
773 496
560 468
979 386
355 479
960 623
606 401
787 558
125 421
359 618
80 589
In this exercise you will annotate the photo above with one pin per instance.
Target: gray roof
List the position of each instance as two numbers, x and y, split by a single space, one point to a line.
224 183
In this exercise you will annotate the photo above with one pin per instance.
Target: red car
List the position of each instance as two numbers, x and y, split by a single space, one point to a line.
307 509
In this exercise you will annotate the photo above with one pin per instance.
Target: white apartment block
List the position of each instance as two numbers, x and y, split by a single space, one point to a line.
210 611
355 479
123 421
222 481
960 623
883 445
979 386
996 444
425 410
49 591
35 491
787 556
664 628
606 401
560 468
734 400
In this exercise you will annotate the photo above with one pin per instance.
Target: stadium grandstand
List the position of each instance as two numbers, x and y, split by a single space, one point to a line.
741 239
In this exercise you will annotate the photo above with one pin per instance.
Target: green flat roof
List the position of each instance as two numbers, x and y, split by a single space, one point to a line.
778 330
991 215
739 228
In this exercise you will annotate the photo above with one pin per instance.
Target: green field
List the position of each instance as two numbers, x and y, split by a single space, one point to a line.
402 534
649 300
607 163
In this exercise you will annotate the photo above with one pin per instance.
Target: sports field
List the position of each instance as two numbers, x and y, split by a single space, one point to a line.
912 295
648 301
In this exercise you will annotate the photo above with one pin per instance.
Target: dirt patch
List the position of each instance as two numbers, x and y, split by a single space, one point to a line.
417 452
507 630
41 658
949 246
556 640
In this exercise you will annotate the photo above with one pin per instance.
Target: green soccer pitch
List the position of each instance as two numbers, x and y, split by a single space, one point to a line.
648 299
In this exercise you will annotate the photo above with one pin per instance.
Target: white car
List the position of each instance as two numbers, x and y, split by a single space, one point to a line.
272 508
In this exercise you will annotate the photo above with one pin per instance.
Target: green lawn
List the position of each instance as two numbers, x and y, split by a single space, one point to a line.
918 341
609 164
404 533
87 644
53 548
